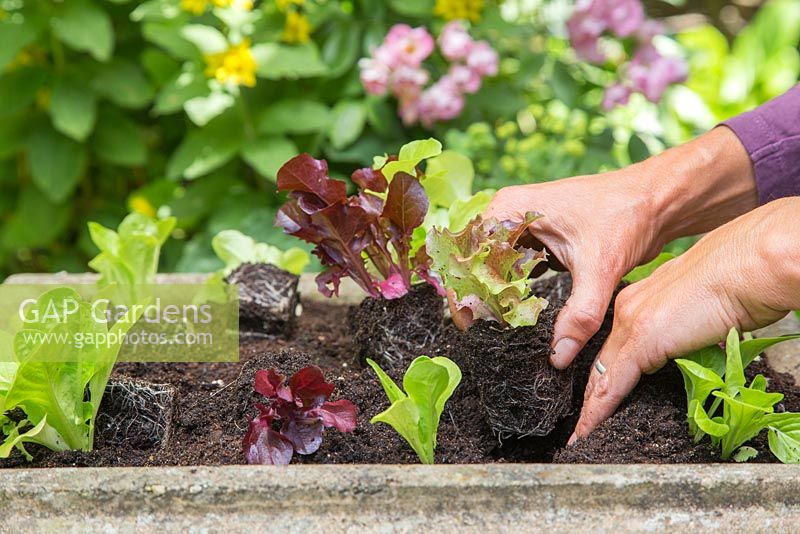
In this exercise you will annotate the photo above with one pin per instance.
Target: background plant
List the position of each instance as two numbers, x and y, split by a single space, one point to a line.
187 108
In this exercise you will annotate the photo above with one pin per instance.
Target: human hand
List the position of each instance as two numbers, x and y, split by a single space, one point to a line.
745 274
600 227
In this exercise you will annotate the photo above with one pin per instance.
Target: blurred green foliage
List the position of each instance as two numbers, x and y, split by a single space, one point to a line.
187 108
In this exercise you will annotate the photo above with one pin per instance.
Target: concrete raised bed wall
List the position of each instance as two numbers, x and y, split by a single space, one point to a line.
353 498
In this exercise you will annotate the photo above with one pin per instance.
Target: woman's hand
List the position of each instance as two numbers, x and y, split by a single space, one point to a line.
600 227
745 274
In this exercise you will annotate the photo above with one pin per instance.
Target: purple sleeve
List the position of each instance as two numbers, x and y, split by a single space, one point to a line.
771 135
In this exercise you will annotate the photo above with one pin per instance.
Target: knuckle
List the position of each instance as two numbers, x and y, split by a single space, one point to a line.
586 322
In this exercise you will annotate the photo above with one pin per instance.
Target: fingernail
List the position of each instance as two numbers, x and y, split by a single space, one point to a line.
565 351
572 439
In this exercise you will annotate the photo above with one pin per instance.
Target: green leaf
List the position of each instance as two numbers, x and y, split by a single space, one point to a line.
412 8
18 89
734 370
41 434
637 149
745 421
463 211
295 116
36 222
712 357
56 163
701 419
235 248
202 109
168 36
267 154
751 348
643 271
745 454
130 255
699 381
277 61
393 392
73 108
207 39
415 414
784 436
123 83
207 149
341 49
411 155
13 131
448 178
349 117
18 32
118 140
84 26
184 86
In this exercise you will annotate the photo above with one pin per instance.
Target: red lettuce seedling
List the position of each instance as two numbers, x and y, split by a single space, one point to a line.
302 408
488 270
366 236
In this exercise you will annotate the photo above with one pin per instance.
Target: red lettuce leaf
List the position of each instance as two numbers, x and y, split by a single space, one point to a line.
264 446
308 175
302 409
309 387
340 414
371 179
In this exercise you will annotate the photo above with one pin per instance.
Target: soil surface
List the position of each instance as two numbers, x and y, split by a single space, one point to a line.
214 402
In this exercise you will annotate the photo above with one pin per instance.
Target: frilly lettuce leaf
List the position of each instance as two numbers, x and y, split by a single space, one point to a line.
487 271
235 248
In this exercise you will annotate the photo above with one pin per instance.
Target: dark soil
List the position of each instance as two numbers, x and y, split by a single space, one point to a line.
522 394
214 404
393 332
268 298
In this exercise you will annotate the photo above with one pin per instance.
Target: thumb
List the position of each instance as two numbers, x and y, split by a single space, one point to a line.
583 314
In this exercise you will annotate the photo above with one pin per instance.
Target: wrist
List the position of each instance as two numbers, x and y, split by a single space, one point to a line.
779 248
700 185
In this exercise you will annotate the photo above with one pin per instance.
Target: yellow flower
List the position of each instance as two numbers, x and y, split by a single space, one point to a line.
459 9
296 29
247 5
236 65
43 97
197 7
143 206
284 5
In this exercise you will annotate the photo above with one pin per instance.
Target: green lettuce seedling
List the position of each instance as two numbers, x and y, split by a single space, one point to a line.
746 410
130 255
415 413
488 271
57 385
235 248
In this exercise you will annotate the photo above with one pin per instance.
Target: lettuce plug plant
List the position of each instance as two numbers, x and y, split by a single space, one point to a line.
235 248
747 410
302 408
488 271
366 236
58 386
415 413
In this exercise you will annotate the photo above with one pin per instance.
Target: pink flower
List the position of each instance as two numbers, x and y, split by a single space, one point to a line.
466 79
483 59
440 102
406 45
584 30
455 42
374 76
616 95
624 17
409 111
649 29
653 79
408 81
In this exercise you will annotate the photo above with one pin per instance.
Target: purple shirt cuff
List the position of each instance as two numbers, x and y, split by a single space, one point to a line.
771 136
